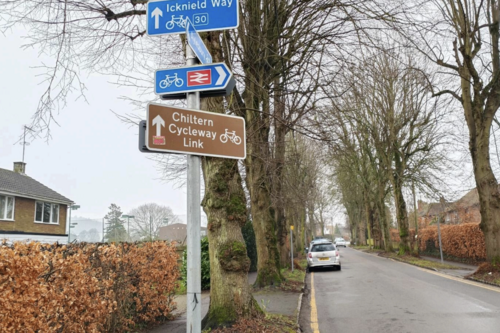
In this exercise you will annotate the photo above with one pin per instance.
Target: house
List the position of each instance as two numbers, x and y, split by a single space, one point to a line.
30 210
177 232
464 210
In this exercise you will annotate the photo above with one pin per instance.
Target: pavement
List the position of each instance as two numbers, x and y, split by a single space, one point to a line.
272 301
461 272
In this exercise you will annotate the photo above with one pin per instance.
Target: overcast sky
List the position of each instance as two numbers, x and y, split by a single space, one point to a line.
92 157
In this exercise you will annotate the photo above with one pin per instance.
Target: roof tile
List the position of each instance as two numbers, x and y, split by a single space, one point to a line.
25 186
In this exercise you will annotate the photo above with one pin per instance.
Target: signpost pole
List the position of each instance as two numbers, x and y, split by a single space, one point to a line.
193 223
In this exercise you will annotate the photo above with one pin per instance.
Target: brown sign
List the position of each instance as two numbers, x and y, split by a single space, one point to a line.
194 132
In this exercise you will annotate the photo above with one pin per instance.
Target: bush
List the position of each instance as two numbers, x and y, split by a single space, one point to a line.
85 287
249 236
205 266
463 241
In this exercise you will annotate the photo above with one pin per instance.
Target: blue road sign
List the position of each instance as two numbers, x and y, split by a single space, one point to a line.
196 43
169 16
192 78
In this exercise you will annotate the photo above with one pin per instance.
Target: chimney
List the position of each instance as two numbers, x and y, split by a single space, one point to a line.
20 167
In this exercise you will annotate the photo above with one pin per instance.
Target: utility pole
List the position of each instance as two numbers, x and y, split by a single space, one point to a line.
128 217
103 229
441 200
150 228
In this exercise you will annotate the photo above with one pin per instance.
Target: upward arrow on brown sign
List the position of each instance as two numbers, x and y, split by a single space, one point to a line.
194 132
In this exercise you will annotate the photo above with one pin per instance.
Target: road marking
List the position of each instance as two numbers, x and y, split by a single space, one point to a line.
314 310
454 278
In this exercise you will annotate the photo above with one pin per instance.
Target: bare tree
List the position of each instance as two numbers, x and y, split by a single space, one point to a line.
148 219
462 38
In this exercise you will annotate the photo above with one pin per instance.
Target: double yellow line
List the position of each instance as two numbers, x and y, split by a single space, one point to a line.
314 310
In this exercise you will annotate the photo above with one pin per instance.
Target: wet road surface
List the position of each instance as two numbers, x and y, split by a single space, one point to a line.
374 294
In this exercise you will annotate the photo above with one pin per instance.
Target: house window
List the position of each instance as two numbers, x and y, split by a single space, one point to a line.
46 212
6 207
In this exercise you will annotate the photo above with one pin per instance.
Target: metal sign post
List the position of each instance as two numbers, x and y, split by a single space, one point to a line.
193 223
191 131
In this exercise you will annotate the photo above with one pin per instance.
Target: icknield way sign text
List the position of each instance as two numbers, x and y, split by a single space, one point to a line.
194 132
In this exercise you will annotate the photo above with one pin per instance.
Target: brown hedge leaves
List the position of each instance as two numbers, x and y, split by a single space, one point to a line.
460 241
85 287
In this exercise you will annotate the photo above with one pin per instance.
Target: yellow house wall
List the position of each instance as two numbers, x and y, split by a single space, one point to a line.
24 219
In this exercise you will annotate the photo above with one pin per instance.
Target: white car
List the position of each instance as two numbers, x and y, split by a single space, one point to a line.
340 242
323 254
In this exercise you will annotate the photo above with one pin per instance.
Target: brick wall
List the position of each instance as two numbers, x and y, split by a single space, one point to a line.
24 219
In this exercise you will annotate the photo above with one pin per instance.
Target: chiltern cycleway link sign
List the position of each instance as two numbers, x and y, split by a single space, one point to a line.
170 16
185 131
193 78
196 44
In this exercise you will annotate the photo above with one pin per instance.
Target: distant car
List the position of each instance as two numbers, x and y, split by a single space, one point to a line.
323 254
340 242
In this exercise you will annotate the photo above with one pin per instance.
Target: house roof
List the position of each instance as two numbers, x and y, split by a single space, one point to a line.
21 185
469 199
175 232
433 208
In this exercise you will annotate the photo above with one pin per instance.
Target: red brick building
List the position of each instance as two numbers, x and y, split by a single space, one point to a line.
464 210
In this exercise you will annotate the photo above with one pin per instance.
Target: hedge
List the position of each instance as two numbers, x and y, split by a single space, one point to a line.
85 287
463 241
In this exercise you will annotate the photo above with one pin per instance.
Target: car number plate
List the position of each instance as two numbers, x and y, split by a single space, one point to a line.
324 258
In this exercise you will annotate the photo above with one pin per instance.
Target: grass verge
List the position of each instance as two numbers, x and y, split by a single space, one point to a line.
266 323
417 261
487 273
180 288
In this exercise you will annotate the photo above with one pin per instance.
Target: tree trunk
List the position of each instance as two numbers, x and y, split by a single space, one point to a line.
277 179
268 266
487 188
312 222
224 204
384 226
401 213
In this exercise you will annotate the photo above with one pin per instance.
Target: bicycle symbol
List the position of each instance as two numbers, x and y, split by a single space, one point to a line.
179 21
169 80
231 136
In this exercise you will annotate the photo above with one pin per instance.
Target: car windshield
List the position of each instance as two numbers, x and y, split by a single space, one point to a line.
323 248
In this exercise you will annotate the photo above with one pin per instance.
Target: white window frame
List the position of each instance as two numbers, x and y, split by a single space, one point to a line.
51 210
5 208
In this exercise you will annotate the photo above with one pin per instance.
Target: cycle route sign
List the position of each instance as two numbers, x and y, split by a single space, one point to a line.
185 131
204 78
170 16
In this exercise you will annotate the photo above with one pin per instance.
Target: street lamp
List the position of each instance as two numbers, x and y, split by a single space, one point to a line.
72 207
103 223
128 224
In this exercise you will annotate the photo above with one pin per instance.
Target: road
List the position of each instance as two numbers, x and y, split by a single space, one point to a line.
374 294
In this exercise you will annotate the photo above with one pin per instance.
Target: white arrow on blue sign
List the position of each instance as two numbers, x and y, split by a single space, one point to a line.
192 78
170 16
197 45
